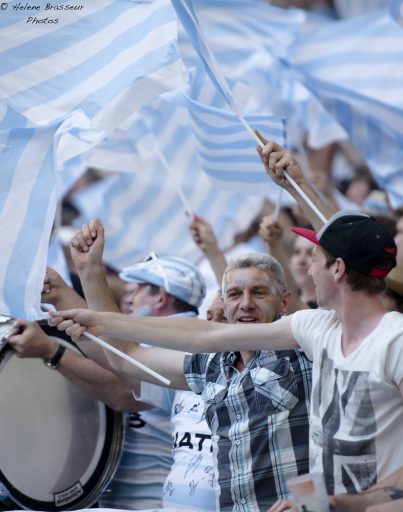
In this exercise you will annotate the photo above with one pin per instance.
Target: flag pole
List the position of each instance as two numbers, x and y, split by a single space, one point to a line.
167 167
291 180
127 358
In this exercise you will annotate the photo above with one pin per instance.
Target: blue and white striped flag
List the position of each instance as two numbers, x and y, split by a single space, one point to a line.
116 153
89 70
94 59
350 8
226 151
68 78
188 18
143 212
355 69
27 206
249 40
237 31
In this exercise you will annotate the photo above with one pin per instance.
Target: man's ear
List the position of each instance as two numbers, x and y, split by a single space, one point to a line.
284 302
164 299
339 269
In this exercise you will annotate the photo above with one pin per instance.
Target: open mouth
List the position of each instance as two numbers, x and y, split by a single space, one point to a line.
247 319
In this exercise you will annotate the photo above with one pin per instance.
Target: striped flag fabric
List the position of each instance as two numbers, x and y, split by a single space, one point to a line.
142 211
236 31
355 69
27 205
226 151
93 59
188 18
90 70
250 40
350 8
68 78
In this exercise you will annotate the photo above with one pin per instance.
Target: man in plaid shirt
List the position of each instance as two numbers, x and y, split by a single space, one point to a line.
256 403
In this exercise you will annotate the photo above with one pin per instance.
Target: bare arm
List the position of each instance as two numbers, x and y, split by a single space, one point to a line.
190 334
278 160
203 235
377 498
86 249
96 382
57 292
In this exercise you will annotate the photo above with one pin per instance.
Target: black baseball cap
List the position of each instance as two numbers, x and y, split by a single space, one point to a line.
361 241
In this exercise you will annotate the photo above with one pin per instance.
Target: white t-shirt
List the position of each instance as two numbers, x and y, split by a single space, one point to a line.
356 422
190 482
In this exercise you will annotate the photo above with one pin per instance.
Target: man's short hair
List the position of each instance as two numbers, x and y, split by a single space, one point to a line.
362 242
262 261
358 281
179 305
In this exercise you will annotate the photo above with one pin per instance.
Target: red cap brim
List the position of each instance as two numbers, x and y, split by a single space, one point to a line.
306 233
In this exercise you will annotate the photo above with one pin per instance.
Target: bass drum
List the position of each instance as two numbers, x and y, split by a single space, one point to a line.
58 448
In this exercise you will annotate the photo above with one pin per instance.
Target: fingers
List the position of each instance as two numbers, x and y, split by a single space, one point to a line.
283 506
22 324
85 237
260 137
82 240
69 321
274 156
200 230
268 149
270 229
31 341
71 328
56 317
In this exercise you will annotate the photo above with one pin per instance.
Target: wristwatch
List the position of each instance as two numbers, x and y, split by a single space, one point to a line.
53 362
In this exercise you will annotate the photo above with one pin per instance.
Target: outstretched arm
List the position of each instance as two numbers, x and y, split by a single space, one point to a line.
187 334
32 342
278 160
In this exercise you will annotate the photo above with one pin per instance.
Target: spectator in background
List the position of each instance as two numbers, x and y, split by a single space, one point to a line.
295 266
399 234
393 298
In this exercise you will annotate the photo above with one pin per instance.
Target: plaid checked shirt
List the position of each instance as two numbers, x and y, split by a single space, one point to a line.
259 423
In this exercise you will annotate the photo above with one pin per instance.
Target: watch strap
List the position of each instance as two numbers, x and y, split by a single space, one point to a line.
53 362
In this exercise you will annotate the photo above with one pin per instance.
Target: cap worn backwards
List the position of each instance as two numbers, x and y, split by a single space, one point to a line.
362 242
178 277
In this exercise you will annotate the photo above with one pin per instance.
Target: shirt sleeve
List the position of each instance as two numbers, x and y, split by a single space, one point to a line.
394 366
307 325
195 366
155 395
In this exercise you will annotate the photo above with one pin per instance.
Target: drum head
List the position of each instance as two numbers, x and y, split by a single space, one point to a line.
58 447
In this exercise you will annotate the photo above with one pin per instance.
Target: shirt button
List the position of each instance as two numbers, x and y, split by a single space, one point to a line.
243 501
237 443
238 416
